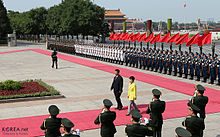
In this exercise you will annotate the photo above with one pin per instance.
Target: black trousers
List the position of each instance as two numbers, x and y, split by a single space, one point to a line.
54 62
118 99
157 131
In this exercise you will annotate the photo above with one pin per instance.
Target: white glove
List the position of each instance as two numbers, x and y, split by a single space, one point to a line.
198 115
77 132
146 120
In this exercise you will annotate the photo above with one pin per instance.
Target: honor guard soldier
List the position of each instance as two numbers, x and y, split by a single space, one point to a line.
180 63
199 100
54 59
186 65
155 109
170 63
212 71
194 124
175 63
205 68
137 129
161 61
198 65
67 125
156 61
191 66
51 126
165 59
106 119
181 132
218 72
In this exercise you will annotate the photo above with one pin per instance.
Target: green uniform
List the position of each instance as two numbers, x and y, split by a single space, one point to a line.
106 120
155 109
52 127
194 125
137 130
200 101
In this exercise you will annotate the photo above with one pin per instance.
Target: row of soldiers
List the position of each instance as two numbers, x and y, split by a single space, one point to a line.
139 128
167 62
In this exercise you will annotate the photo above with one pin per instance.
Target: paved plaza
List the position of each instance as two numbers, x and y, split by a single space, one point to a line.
84 88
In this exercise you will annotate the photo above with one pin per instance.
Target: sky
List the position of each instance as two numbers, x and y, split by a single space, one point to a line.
156 10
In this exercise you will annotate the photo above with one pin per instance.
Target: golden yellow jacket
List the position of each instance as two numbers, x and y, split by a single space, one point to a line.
132 93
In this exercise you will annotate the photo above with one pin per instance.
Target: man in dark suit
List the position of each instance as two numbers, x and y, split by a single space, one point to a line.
51 125
155 109
117 86
194 124
137 129
199 100
54 59
106 119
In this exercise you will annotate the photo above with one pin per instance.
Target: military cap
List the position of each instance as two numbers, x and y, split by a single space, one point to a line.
53 110
107 102
67 123
135 113
216 55
192 53
156 92
193 107
181 132
200 88
209 54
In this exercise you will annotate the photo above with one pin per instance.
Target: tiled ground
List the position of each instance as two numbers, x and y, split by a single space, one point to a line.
83 87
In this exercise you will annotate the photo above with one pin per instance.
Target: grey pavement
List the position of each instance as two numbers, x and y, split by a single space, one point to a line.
83 87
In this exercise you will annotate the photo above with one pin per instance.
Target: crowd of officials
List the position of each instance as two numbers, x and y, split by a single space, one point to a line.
200 67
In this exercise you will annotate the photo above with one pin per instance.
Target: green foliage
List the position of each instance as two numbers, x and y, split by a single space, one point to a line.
4 22
71 17
10 85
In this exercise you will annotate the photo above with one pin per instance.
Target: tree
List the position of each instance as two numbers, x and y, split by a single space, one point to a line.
4 22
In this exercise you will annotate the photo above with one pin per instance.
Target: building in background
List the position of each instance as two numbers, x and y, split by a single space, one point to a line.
115 16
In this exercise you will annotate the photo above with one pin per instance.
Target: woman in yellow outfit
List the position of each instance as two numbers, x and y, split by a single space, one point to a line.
132 94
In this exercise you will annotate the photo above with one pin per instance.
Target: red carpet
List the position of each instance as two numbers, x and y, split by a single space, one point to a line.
84 119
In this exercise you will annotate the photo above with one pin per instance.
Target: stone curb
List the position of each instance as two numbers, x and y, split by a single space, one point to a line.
31 99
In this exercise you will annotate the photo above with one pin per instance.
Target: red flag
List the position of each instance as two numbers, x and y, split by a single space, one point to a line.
155 39
193 40
184 5
111 36
135 36
142 38
124 36
115 36
205 39
119 36
173 38
165 38
148 38
183 39
129 37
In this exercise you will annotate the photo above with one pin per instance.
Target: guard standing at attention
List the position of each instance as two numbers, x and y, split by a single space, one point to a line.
106 119
199 100
51 126
54 59
136 129
194 124
155 109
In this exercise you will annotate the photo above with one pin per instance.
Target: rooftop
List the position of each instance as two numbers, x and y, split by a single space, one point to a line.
113 13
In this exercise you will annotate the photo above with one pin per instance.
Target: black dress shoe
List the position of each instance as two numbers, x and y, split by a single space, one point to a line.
119 108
